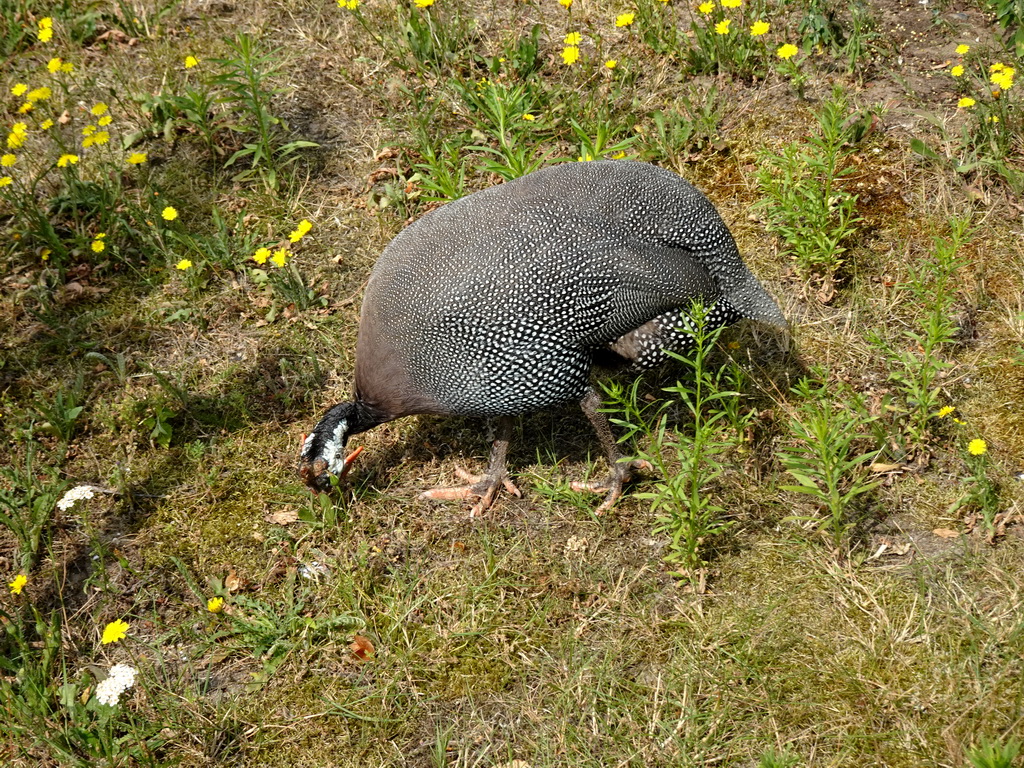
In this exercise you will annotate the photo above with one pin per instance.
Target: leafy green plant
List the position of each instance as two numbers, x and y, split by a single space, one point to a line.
158 425
728 39
1010 15
28 498
687 127
774 759
244 80
823 459
804 202
993 753
61 414
687 465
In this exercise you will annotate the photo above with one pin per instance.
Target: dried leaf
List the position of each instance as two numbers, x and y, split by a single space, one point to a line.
282 517
232 582
879 467
946 533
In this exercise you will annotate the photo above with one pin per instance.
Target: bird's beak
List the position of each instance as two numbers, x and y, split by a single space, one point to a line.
349 461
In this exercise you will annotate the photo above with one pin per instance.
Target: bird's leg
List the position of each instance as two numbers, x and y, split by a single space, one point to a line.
483 487
622 471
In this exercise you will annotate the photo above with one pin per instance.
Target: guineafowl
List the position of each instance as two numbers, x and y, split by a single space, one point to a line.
495 305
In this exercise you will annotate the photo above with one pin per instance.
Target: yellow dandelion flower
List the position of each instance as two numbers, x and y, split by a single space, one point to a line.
261 255
21 128
612 63
98 109
53 65
215 604
18 584
280 257
105 120
570 54
528 116
565 3
619 155
25 108
5 180
98 246
170 213
45 35
65 160
966 103
945 411
1004 78
47 123
624 19
15 140
957 71
89 130
46 22
191 61
19 89
38 94
585 158
993 118
183 265
101 137
300 231
722 27
997 67
759 28
977 447
962 49
732 3
787 51
67 67
424 3
87 142
114 631
8 160
573 38
136 158
706 7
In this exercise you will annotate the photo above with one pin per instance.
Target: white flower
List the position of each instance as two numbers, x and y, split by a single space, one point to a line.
75 494
120 678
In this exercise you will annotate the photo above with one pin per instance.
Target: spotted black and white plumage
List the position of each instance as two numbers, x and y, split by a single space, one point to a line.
496 304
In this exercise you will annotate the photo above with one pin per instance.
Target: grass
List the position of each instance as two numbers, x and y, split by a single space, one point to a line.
541 633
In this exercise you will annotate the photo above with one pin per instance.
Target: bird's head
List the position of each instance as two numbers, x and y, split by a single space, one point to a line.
323 452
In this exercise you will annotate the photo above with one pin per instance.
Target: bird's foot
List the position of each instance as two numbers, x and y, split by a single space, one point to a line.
484 488
612 486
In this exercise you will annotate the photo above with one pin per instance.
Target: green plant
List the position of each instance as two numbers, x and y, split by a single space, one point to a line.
1010 15
773 759
823 460
804 201
686 127
28 498
993 753
158 425
61 414
688 465
244 81
498 112
728 40
919 365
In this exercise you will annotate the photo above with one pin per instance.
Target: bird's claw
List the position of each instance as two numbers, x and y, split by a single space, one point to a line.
481 487
612 485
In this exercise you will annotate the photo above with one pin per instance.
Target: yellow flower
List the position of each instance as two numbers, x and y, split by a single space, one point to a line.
280 257
25 108
15 140
46 23
624 19
706 7
19 89
732 3
98 246
759 28
46 124
962 49
1003 78
722 27
528 116
612 63
8 160
565 3
585 158
5 180
787 51
170 213
18 584
183 265
89 130
67 67
101 137
573 38
424 3
135 158
191 61
300 231
261 255
570 54
957 71
945 411
114 631
38 94
977 447
993 118
349 5
215 604
621 153
53 65
44 35
966 103
99 109
65 160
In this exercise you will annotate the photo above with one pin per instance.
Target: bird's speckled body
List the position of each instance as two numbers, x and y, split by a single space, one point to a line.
495 305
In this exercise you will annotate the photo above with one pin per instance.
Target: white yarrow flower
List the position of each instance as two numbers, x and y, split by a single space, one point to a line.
77 493
120 678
